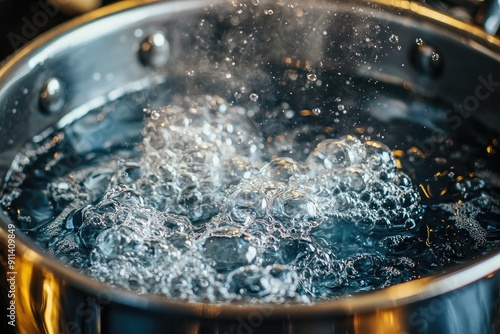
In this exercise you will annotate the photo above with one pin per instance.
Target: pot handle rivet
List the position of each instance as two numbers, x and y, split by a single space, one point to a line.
155 50
52 96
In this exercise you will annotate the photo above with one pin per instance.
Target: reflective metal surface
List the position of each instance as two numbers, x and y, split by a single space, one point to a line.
52 96
51 298
155 50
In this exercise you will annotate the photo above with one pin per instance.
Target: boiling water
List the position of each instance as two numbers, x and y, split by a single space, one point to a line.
202 199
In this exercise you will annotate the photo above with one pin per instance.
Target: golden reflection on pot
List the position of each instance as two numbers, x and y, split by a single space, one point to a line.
38 299
381 322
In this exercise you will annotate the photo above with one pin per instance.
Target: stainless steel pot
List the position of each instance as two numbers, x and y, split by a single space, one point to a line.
125 43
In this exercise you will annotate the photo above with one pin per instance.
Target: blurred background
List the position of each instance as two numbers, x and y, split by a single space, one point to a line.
23 20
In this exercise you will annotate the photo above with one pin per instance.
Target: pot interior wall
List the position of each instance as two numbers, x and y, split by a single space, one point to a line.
366 54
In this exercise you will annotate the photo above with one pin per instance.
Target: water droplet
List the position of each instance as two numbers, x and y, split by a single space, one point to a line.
312 77
394 39
255 2
316 111
419 41
435 56
254 97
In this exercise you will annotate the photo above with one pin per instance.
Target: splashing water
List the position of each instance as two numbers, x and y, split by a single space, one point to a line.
209 210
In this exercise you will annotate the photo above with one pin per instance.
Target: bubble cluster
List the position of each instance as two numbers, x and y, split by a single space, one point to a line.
466 216
341 180
204 215
192 151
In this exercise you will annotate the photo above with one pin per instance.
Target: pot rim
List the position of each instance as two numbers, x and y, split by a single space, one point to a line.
402 294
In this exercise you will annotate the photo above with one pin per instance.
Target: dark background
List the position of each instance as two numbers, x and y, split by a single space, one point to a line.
23 20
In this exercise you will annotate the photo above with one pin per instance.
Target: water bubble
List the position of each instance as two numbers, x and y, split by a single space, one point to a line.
358 179
419 41
356 147
435 56
282 169
246 202
233 170
155 115
229 251
295 206
330 154
249 280
380 158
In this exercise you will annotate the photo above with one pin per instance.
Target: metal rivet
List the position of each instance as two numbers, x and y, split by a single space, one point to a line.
155 50
427 59
52 96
